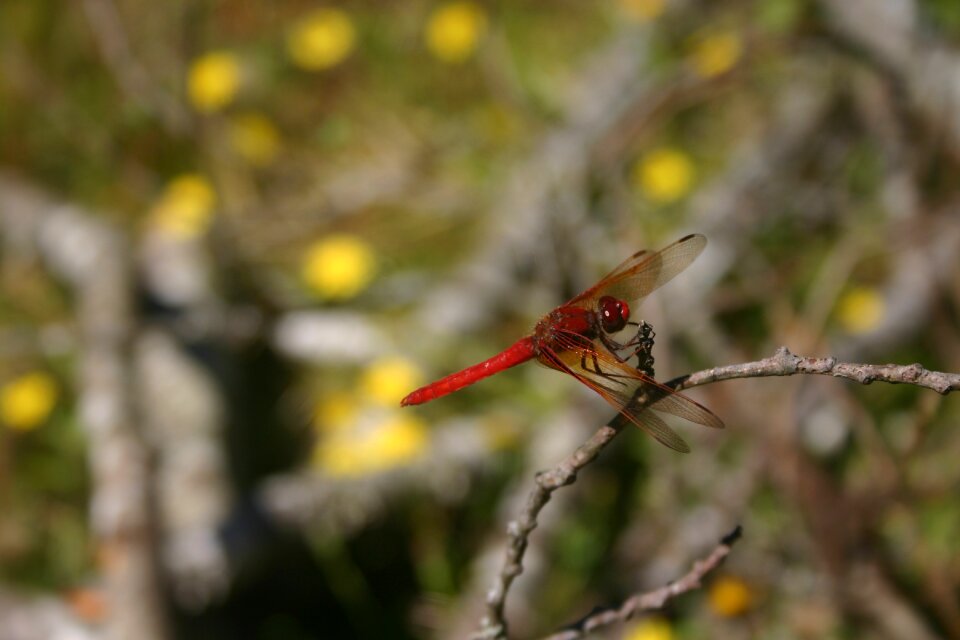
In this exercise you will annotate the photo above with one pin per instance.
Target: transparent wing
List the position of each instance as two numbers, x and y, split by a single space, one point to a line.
634 394
643 272
676 404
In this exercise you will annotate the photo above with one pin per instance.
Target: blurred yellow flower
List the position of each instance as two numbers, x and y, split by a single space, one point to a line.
715 52
387 380
650 629
398 440
338 266
861 310
454 30
255 138
643 10
335 411
26 402
185 208
730 596
321 40
213 81
664 175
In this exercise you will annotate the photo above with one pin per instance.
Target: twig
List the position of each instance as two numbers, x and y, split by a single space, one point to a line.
655 599
782 363
518 531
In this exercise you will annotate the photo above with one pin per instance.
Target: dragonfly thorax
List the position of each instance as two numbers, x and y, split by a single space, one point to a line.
613 313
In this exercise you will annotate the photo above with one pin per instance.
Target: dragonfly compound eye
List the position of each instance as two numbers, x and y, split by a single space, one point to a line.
614 314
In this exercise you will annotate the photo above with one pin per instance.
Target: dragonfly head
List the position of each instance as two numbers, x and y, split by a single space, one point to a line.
614 314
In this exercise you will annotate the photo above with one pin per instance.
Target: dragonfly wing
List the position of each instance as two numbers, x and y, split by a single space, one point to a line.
658 429
629 263
677 404
634 394
643 272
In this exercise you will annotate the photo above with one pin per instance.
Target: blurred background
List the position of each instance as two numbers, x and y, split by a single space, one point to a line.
235 234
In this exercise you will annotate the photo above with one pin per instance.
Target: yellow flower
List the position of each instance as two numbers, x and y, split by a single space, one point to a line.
339 266
185 208
322 39
861 310
254 138
664 175
715 53
388 380
213 81
395 441
643 10
650 629
335 411
730 597
454 30
26 402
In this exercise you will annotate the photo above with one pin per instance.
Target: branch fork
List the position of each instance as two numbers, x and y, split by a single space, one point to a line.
493 626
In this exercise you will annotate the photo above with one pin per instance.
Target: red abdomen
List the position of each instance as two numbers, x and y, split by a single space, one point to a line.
520 351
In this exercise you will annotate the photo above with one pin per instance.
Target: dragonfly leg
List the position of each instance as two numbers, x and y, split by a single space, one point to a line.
595 362
615 347
641 345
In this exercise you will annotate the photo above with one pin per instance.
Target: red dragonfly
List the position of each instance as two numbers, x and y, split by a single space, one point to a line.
580 338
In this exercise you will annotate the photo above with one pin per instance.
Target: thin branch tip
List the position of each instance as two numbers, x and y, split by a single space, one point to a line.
655 599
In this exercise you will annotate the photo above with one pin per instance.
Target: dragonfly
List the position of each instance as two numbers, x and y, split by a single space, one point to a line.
582 338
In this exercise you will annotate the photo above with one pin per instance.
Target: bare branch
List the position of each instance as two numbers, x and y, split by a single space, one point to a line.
782 363
655 599
518 531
